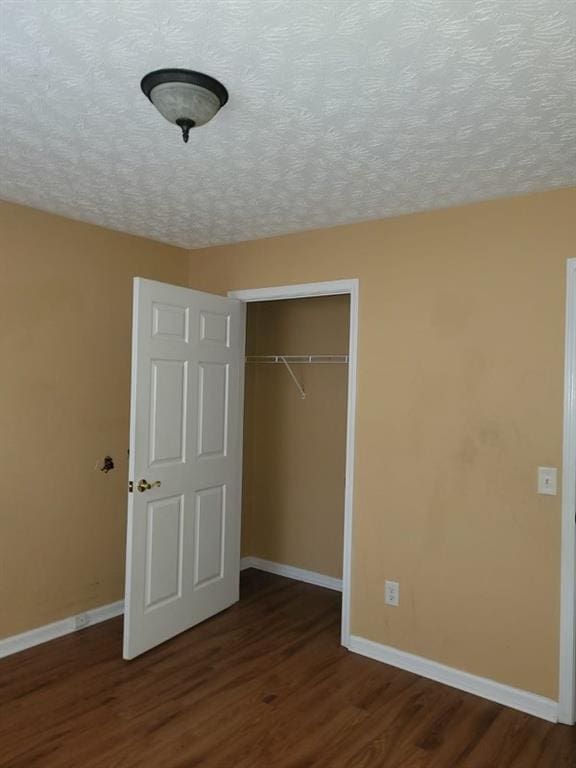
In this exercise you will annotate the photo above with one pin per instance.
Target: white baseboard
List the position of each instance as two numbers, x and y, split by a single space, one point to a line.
16 643
299 574
531 703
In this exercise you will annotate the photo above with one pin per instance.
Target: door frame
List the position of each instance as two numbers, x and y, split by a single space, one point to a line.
310 290
567 685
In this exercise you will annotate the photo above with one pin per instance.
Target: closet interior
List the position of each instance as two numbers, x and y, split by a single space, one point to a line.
295 432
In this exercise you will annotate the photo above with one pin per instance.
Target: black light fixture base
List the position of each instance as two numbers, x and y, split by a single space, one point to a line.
159 76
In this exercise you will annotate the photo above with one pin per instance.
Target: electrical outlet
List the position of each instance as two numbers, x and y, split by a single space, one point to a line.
81 620
392 593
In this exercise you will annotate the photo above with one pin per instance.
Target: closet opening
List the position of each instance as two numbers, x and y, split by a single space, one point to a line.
299 402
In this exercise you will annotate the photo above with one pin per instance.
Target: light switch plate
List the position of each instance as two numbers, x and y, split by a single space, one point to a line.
547 480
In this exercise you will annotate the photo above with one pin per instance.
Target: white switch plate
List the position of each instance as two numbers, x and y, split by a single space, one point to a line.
392 593
547 480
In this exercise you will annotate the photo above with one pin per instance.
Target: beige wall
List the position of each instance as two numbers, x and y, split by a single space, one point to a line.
459 400
64 403
294 449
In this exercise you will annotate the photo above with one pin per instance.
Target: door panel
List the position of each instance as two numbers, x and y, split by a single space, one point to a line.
169 322
164 551
168 400
183 537
215 328
212 409
210 527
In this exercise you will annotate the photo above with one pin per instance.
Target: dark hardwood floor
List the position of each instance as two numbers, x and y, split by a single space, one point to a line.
264 684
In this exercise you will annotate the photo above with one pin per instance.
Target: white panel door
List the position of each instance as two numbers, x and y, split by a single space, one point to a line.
183 538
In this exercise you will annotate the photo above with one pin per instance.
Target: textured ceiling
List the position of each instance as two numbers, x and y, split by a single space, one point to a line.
340 110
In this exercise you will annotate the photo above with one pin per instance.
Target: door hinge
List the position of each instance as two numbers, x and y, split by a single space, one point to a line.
130 486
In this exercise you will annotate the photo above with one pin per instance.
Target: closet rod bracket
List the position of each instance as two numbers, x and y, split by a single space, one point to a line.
294 379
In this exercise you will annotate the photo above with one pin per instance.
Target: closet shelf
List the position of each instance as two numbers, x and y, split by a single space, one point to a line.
283 359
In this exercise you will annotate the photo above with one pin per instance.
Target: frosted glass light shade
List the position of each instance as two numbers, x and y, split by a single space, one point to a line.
177 101
188 99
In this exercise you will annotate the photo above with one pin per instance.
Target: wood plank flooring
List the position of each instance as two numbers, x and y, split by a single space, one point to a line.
264 685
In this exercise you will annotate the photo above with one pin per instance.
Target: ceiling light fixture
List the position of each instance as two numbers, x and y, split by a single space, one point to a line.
188 99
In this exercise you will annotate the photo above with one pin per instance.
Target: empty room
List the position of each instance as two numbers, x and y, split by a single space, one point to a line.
288 383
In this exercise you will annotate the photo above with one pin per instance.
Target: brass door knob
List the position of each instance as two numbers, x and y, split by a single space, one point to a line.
144 485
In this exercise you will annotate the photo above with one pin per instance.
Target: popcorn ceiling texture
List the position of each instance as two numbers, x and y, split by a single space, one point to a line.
340 110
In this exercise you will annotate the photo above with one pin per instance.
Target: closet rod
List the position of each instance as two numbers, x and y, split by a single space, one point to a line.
283 359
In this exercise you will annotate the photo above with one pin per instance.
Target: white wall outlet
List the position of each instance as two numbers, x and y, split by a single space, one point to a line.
81 620
392 593
547 480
